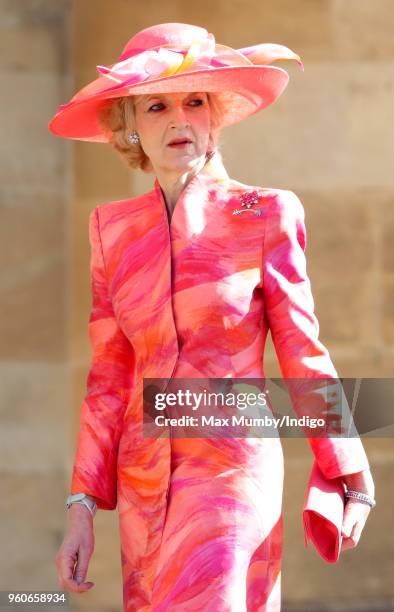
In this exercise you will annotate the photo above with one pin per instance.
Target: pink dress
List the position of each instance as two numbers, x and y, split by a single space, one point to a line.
200 519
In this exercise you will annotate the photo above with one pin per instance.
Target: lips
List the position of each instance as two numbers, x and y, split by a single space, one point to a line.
177 141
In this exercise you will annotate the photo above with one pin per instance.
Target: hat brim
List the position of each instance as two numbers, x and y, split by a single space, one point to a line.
248 89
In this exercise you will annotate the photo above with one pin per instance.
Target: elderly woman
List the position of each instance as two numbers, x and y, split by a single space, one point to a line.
187 279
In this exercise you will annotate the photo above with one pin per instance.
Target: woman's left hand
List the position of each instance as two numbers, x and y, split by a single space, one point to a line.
356 512
355 516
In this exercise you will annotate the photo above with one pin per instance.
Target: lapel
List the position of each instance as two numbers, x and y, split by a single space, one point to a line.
149 259
194 205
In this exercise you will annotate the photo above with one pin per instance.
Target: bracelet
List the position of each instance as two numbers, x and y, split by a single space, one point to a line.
362 497
84 500
83 503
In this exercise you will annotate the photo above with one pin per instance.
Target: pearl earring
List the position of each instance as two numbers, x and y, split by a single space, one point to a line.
133 137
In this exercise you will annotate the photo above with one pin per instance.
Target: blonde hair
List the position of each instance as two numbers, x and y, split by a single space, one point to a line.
116 118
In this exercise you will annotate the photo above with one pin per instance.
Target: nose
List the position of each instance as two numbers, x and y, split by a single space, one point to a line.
178 115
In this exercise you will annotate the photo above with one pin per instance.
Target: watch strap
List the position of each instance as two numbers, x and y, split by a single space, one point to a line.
84 500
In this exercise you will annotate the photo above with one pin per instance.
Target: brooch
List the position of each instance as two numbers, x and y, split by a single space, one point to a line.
248 199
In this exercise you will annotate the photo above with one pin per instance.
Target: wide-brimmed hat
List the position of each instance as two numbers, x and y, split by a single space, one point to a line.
178 57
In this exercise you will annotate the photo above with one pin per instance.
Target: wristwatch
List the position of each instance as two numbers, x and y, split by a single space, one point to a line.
82 498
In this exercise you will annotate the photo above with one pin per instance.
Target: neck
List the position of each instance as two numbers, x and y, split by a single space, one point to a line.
173 183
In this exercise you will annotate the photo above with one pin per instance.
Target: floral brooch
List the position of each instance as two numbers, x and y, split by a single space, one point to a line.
248 199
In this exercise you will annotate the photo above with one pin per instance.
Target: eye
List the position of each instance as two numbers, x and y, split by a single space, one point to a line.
153 107
199 101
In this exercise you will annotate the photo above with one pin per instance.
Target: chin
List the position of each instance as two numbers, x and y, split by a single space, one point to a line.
186 162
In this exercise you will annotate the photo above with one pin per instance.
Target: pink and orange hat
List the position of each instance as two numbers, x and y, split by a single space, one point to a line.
178 57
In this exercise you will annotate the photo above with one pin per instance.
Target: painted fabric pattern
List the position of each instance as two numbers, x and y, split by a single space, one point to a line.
200 519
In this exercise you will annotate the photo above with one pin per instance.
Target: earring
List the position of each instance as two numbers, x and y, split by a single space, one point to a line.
133 137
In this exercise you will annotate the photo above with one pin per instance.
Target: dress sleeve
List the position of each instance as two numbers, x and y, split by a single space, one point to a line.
109 383
289 310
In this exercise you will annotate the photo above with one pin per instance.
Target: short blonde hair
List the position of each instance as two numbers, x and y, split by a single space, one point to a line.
116 118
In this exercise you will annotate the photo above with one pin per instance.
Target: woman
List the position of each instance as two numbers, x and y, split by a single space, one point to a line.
186 281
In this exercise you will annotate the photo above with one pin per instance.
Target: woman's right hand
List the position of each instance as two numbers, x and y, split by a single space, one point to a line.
77 548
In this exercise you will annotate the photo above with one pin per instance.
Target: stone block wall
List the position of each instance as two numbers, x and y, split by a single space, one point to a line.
328 139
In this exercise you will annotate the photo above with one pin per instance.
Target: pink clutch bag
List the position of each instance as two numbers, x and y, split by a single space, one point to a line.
322 514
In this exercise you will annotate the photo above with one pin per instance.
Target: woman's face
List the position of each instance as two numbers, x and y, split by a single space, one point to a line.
161 118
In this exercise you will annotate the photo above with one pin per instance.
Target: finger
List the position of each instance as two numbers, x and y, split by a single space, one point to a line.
77 585
81 567
355 512
72 585
349 520
65 565
347 543
358 528
65 562
354 538
69 584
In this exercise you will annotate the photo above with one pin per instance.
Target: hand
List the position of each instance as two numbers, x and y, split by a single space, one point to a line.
356 512
354 519
76 549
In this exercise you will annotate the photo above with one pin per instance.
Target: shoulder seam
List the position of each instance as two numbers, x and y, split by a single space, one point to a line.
124 200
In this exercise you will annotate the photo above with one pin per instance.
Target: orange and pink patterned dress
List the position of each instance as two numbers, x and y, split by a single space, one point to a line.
200 519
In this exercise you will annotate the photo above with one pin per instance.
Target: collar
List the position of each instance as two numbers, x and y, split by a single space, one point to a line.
212 171
193 206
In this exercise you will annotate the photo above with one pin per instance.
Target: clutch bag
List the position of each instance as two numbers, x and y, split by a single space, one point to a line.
322 514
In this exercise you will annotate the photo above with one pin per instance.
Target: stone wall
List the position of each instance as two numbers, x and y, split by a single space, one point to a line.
35 174
328 138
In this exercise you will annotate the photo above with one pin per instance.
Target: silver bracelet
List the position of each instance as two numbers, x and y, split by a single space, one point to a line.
362 497
84 500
